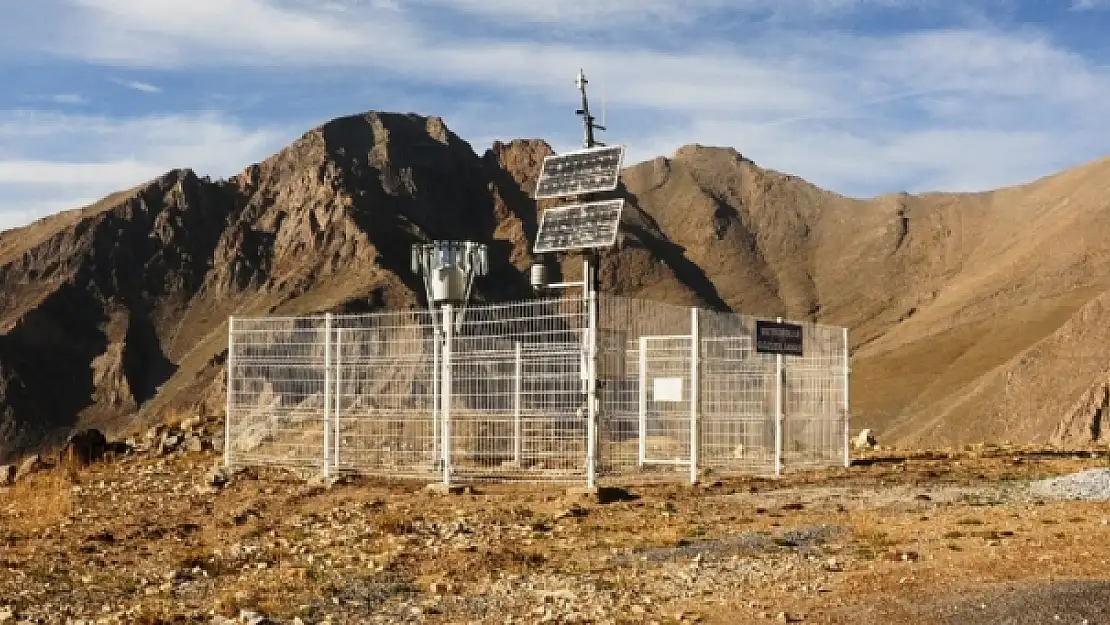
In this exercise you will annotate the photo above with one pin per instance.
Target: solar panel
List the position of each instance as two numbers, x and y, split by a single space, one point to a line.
577 226
584 171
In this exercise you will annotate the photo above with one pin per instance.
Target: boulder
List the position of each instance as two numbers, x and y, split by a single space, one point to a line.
86 446
865 440
29 465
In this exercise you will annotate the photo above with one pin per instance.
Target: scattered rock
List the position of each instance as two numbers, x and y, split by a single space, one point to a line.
439 488
7 474
6 614
188 425
170 442
600 494
865 440
218 476
1092 485
320 481
29 465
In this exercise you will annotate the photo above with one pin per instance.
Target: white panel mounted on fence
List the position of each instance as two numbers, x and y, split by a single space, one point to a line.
666 389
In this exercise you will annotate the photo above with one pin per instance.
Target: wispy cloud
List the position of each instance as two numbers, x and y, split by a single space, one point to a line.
64 161
138 85
68 98
1089 5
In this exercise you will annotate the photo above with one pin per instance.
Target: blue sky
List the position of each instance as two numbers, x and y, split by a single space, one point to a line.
859 96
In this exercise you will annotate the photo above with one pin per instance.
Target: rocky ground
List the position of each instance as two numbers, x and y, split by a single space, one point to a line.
158 534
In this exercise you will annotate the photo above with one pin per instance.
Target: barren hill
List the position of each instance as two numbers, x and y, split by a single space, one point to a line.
960 305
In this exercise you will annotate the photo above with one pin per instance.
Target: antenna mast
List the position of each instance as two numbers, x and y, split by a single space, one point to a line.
587 119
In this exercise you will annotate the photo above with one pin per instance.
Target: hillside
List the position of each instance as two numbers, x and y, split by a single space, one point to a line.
961 306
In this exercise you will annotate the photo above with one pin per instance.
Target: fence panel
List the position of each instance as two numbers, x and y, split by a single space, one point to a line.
277 391
642 345
517 394
737 396
814 387
386 376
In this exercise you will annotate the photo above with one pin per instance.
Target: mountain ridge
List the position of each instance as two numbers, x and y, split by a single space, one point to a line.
114 314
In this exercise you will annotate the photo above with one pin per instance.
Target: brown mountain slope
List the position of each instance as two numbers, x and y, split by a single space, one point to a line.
115 313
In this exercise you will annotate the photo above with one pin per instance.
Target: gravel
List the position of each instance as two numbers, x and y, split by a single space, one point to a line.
1091 485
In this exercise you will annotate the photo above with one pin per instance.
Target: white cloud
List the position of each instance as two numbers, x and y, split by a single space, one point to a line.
50 162
607 14
1090 5
138 85
68 98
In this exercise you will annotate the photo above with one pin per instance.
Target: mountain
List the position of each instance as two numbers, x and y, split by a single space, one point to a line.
972 316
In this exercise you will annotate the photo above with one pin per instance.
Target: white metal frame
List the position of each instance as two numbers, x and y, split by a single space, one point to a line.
500 394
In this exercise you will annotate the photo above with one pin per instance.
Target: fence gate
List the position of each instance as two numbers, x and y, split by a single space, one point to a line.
666 391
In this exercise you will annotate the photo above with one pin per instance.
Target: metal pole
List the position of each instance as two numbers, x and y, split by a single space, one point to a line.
643 400
230 388
518 383
695 355
778 412
338 391
847 413
591 384
445 401
327 393
437 338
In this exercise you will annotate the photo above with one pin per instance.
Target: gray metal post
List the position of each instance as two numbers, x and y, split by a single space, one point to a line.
445 380
643 401
847 410
778 412
327 394
230 388
591 384
518 384
695 356
338 393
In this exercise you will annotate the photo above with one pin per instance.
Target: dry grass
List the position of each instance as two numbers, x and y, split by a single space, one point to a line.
42 499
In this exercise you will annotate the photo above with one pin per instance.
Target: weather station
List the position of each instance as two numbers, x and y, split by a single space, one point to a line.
588 225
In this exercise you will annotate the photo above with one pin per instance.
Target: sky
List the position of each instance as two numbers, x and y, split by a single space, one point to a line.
861 97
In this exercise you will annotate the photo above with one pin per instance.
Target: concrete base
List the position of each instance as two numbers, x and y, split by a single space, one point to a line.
599 494
439 488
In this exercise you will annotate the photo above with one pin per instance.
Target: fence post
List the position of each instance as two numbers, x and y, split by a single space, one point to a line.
592 400
437 421
445 382
695 356
338 392
518 383
778 412
847 413
643 400
327 394
230 388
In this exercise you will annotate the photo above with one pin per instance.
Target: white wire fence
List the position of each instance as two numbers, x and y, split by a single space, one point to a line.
502 392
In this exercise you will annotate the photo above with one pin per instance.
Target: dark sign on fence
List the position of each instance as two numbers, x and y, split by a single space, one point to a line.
776 337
